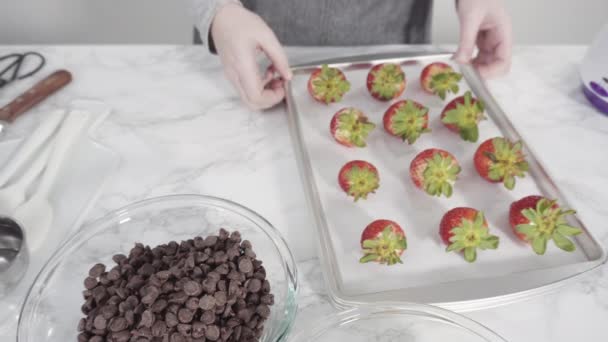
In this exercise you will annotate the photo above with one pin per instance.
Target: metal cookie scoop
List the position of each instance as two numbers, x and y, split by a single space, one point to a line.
13 255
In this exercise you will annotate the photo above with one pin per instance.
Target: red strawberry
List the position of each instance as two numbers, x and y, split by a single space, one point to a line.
407 119
439 79
462 115
386 81
499 160
435 171
536 220
358 178
327 84
350 127
383 241
466 229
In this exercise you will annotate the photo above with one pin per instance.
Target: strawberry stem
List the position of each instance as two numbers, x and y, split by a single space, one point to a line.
385 249
410 121
330 85
548 222
508 162
439 175
471 235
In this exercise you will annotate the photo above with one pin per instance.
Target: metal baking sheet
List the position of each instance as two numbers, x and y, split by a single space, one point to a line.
428 274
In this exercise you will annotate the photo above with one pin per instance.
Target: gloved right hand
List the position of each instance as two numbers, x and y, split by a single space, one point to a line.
239 36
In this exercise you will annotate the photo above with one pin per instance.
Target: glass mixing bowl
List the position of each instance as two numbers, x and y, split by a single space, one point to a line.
52 308
391 322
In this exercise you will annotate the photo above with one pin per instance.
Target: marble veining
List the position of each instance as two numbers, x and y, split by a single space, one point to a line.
179 128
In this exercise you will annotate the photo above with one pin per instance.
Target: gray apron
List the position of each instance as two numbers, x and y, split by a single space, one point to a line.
345 22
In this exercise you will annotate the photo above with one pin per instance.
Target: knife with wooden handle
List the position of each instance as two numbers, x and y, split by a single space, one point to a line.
35 95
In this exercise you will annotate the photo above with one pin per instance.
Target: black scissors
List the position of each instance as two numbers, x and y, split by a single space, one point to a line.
16 62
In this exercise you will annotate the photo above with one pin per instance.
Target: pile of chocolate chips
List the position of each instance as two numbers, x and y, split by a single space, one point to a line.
203 289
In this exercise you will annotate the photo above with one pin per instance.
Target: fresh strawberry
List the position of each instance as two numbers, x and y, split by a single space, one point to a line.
536 220
440 79
435 171
407 119
327 84
462 115
358 178
465 230
386 81
350 127
499 160
383 241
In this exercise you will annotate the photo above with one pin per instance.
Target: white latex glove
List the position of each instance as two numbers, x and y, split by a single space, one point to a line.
239 36
485 23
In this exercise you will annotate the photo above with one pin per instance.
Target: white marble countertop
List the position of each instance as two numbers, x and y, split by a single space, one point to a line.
180 128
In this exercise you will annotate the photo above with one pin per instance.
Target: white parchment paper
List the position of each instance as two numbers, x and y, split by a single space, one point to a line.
425 260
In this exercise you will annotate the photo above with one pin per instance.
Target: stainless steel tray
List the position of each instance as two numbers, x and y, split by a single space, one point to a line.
428 275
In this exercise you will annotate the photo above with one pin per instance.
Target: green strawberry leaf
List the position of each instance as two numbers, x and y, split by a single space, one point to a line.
568 230
562 242
539 245
470 254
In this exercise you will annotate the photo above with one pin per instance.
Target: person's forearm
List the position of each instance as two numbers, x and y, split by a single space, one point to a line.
203 12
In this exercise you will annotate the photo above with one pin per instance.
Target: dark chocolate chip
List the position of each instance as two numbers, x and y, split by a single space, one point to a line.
177 337
114 275
171 319
220 298
159 306
211 240
192 288
83 337
146 270
147 319
121 336
81 324
97 270
212 333
192 303
199 243
117 324
130 317
96 339
208 317
198 329
222 269
159 328
223 235
255 285
207 302
136 282
267 299
109 311
185 316
209 285
245 265
90 283
163 275
178 297
263 310
152 293
244 314
235 236
266 287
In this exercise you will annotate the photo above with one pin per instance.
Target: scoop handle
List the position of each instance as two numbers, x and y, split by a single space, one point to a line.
30 145
35 95
68 134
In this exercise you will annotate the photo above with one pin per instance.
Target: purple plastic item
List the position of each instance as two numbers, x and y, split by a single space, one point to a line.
596 100
598 89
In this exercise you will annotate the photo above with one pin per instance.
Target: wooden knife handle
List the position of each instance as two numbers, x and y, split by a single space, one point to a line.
35 95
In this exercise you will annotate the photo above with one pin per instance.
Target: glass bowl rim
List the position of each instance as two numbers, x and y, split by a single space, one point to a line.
88 229
319 327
